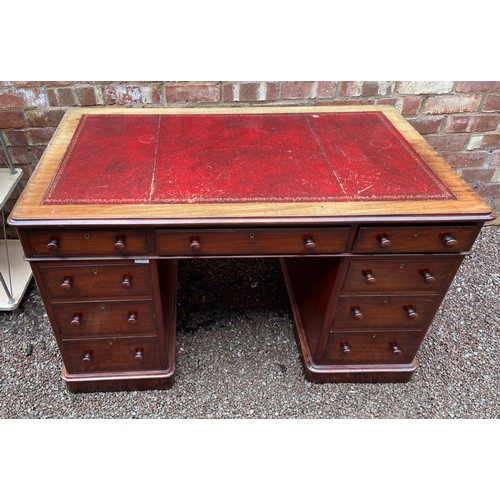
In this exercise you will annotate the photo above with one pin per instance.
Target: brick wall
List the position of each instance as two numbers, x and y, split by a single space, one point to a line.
461 120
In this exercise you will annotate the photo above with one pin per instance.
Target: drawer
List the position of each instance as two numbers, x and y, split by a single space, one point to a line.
400 275
372 347
415 239
385 311
87 242
97 319
84 280
102 355
252 241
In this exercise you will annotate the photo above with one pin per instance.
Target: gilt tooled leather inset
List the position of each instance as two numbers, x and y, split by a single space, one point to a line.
235 158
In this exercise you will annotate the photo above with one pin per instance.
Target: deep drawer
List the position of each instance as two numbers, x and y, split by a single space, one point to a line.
252 241
85 319
400 275
86 242
415 239
128 354
385 311
84 280
372 347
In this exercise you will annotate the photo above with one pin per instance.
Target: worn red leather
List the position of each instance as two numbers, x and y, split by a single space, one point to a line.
222 158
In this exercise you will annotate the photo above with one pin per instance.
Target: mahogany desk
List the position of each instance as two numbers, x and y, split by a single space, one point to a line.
369 223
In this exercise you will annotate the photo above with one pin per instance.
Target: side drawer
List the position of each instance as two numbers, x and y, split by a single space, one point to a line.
97 319
103 355
280 241
385 311
383 275
56 242
415 239
84 280
372 347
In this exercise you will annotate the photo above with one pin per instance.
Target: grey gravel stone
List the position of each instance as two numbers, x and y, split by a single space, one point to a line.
237 356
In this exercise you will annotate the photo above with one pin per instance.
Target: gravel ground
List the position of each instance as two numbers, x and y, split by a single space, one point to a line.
237 356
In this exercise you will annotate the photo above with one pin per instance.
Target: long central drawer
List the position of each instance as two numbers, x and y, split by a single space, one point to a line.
252 241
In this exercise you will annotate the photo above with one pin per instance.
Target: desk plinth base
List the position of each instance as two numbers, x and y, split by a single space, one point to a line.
128 381
359 373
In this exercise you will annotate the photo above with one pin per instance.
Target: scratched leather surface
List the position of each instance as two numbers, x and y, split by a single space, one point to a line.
329 157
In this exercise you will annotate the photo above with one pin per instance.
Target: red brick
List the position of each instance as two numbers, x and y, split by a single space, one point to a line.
452 104
37 152
369 88
476 123
448 142
410 105
44 117
491 141
427 124
132 94
20 156
63 96
66 96
21 98
476 175
192 92
495 206
296 90
478 86
86 96
389 101
40 135
495 158
249 91
326 90
16 138
11 119
490 190
271 91
227 92
350 89
52 97
466 158
492 103
377 88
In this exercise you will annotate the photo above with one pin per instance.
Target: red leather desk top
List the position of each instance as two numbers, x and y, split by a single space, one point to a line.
237 158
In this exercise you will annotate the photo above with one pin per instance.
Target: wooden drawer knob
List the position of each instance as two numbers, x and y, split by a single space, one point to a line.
449 241
87 357
356 313
384 241
66 284
346 349
77 319
309 243
126 282
53 244
138 356
369 278
428 278
132 318
395 349
411 313
195 245
119 243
